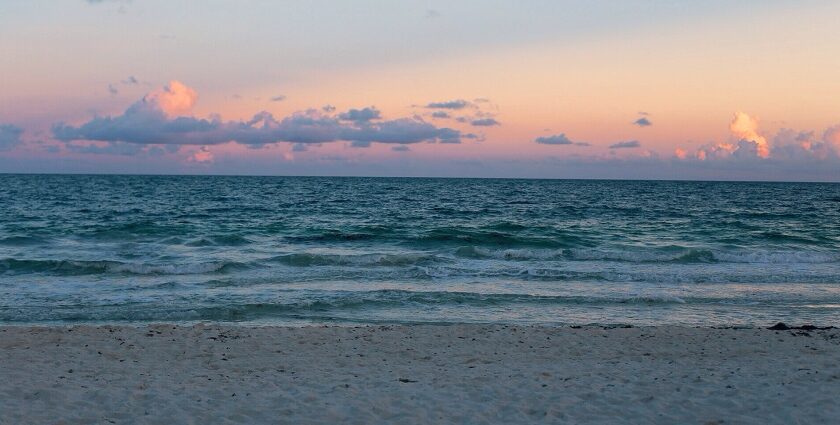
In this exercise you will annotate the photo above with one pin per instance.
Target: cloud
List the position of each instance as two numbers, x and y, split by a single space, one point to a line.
10 136
359 144
173 99
131 80
202 156
154 120
113 90
788 144
792 144
278 98
625 145
643 122
557 139
400 148
431 14
485 122
361 115
745 128
110 148
441 114
831 136
749 144
451 104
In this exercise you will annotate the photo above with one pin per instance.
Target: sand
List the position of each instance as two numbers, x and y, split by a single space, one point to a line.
417 374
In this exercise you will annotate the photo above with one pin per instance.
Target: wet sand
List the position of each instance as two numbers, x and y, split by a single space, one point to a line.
417 374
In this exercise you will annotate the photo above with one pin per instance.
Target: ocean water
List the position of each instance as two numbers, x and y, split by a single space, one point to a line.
293 250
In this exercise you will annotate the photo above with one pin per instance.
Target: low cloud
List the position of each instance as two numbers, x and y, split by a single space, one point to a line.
111 148
278 98
400 148
626 145
361 115
10 136
451 104
745 128
558 139
643 122
748 144
159 118
484 122
202 156
441 114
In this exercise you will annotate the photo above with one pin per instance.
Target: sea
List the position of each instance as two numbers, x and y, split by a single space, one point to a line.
94 249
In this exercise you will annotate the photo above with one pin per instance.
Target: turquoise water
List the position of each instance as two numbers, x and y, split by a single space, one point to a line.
289 250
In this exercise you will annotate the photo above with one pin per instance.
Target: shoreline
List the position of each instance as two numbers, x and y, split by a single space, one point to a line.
455 373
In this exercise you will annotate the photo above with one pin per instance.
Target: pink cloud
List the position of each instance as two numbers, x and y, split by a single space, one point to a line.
173 99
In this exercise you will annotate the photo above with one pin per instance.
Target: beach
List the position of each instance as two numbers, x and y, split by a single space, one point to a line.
417 374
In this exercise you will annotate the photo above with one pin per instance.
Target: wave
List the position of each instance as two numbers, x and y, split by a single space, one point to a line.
324 305
663 255
22 240
495 238
80 267
219 240
373 259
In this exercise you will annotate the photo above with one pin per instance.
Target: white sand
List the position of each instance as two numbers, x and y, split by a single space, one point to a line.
450 374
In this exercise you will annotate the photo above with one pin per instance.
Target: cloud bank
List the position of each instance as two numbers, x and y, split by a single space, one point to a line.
160 118
749 145
625 145
10 136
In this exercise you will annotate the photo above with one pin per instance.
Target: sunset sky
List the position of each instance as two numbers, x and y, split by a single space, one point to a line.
746 90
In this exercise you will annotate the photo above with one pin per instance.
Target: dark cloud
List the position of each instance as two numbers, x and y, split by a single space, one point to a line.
557 139
400 148
473 136
485 122
145 123
441 114
10 136
361 115
131 80
300 147
642 122
111 148
359 144
451 104
625 145
278 98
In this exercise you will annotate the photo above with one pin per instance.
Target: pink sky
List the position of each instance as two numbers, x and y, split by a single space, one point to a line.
747 86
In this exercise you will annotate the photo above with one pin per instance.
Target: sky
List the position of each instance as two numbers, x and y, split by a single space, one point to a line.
625 89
